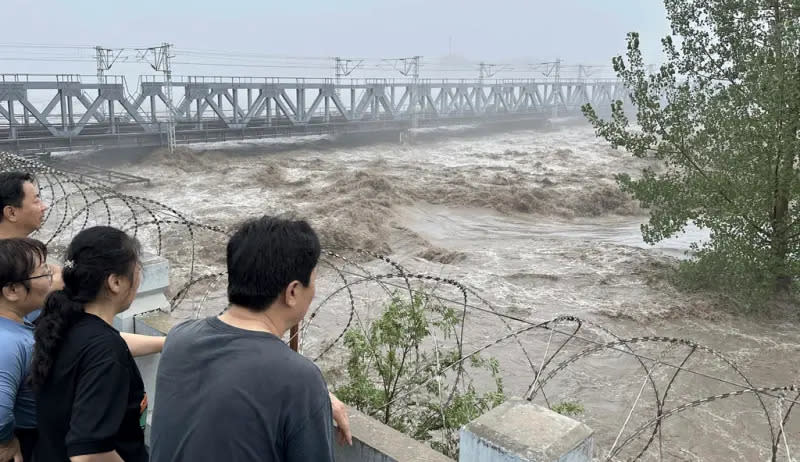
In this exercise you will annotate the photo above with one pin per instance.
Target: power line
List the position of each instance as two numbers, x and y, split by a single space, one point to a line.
220 58
251 54
277 66
44 46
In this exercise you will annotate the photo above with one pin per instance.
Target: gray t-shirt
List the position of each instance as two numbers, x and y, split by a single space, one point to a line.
224 393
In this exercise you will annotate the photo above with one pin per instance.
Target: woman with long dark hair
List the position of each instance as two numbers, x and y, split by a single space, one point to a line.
91 398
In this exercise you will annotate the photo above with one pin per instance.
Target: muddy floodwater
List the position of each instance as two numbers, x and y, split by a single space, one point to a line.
533 223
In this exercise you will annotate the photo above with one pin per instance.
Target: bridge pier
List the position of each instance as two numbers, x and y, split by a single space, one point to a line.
112 117
12 121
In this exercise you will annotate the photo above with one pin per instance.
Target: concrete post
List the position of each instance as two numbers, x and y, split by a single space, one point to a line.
155 280
520 431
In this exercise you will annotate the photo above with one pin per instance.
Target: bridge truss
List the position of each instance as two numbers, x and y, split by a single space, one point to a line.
62 112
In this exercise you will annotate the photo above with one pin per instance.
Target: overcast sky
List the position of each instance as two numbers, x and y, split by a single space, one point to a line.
577 31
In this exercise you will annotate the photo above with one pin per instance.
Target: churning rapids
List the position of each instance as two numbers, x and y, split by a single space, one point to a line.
534 223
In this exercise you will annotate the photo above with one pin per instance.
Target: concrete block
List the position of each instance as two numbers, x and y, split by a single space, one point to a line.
375 442
148 366
155 280
124 322
520 431
155 274
143 325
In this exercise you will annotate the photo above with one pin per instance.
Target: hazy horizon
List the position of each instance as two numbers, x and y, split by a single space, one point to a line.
510 32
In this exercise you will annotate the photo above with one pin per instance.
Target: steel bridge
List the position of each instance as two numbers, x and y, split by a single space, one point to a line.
67 112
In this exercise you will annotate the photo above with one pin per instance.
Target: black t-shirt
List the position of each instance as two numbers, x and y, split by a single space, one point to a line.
94 399
224 393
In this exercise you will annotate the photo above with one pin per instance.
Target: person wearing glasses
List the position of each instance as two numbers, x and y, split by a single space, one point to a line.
25 280
22 212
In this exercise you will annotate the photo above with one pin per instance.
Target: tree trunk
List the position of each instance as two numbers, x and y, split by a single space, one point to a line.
784 167
780 244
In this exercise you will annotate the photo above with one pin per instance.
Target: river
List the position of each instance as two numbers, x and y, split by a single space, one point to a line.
533 223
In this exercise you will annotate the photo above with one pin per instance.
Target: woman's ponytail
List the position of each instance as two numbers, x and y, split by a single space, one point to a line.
92 256
59 314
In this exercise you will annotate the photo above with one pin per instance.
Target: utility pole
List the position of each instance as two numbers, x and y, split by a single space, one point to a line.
159 59
556 85
410 67
486 71
105 58
415 86
343 68
553 69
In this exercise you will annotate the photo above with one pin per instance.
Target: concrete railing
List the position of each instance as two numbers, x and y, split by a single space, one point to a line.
375 442
515 431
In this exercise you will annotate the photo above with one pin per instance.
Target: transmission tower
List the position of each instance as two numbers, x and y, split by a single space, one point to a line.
159 58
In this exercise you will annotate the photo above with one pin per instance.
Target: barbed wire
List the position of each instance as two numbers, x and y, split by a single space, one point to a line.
77 201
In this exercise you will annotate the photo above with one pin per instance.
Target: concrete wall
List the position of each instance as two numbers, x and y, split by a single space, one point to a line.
375 442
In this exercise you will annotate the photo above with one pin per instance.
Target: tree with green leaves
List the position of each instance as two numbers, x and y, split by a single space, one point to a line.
405 368
721 121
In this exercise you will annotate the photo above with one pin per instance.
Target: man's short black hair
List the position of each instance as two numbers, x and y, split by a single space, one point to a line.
265 255
11 189
19 258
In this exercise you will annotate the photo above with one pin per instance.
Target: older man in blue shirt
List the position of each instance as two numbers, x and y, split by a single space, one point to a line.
25 280
22 212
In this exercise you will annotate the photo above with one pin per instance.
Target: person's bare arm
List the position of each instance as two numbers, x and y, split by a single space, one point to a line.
142 345
58 279
10 451
339 411
102 457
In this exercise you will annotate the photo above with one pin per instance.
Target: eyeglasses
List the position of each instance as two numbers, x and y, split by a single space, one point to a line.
48 275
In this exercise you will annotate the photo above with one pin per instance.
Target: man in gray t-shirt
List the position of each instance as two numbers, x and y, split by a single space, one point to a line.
228 387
